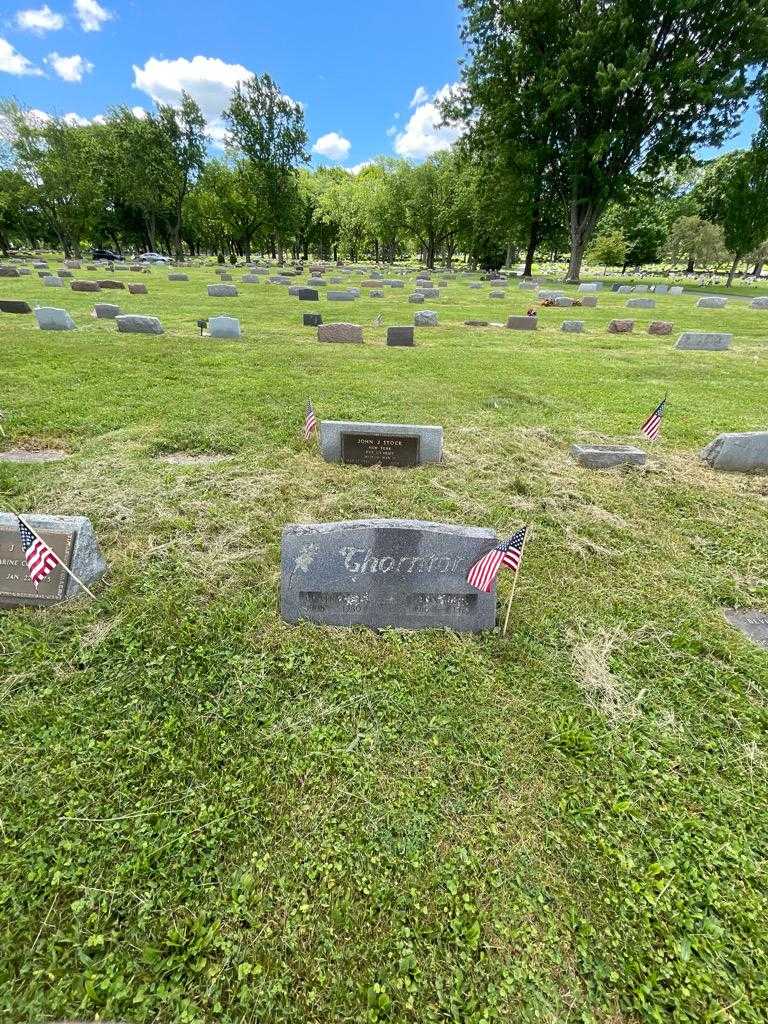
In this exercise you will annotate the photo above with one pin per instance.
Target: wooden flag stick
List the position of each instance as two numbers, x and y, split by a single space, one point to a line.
69 572
514 582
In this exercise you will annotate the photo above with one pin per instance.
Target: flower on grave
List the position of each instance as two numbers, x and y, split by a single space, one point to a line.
531 312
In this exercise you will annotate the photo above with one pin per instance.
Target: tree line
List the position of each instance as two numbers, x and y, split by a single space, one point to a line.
581 120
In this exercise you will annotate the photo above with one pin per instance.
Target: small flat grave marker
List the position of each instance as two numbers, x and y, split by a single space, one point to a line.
752 623
380 444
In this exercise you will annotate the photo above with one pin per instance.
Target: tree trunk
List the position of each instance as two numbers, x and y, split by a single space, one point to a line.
689 268
732 271
582 223
758 271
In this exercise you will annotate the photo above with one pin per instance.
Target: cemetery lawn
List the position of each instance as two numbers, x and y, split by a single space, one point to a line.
207 815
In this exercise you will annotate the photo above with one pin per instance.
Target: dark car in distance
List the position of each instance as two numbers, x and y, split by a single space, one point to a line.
107 254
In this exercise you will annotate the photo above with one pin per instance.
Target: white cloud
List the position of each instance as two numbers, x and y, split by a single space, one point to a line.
392 131
332 145
359 167
420 96
139 112
76 121
91 15
423 135
209 80
37 117
70 69
14 63
99 119
39 20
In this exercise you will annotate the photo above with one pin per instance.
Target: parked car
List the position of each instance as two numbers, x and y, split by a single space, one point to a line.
153 257
107 254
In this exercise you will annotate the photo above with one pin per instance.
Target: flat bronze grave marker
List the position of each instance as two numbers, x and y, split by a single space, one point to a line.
16 587
379 450
753 624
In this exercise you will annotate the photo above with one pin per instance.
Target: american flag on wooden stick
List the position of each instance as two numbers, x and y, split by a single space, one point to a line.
652 426
41 560
483 573
310 422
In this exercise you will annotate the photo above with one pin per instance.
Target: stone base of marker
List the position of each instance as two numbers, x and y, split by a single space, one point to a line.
224 327
342 333
14 306
476 323
660 327
312 319
132 324
73 540
400 336
380 444
621 326
51 319
607 456
572 326
385 573
738 453
711 302
522 323
705 342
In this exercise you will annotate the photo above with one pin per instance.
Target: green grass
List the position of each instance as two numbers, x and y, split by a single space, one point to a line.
209 816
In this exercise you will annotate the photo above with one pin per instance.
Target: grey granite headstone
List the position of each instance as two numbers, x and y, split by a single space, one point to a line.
588 287
641 303
425 318
178 277
105 311
85 286
676 289
223 327
380 444
572 326
133 324
400 573
497 295
759 303
416 297
703 341
219 291
312 319
400 336
137 289
589 301
607 456
109 283
661 289
711 302
308 294
72 539
522 323
394 282
738 453
14 306
751 622
51 319
9 272
251 279
335 296
49 281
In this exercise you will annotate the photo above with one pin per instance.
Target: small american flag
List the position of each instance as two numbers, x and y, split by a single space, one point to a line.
483 573
41 560
652 426
310 422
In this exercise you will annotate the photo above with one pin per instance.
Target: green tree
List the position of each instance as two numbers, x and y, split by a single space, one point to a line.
183 138
267 127
17 198
695 241
609 249
606 90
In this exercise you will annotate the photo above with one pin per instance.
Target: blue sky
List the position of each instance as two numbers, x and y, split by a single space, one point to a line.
367 73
